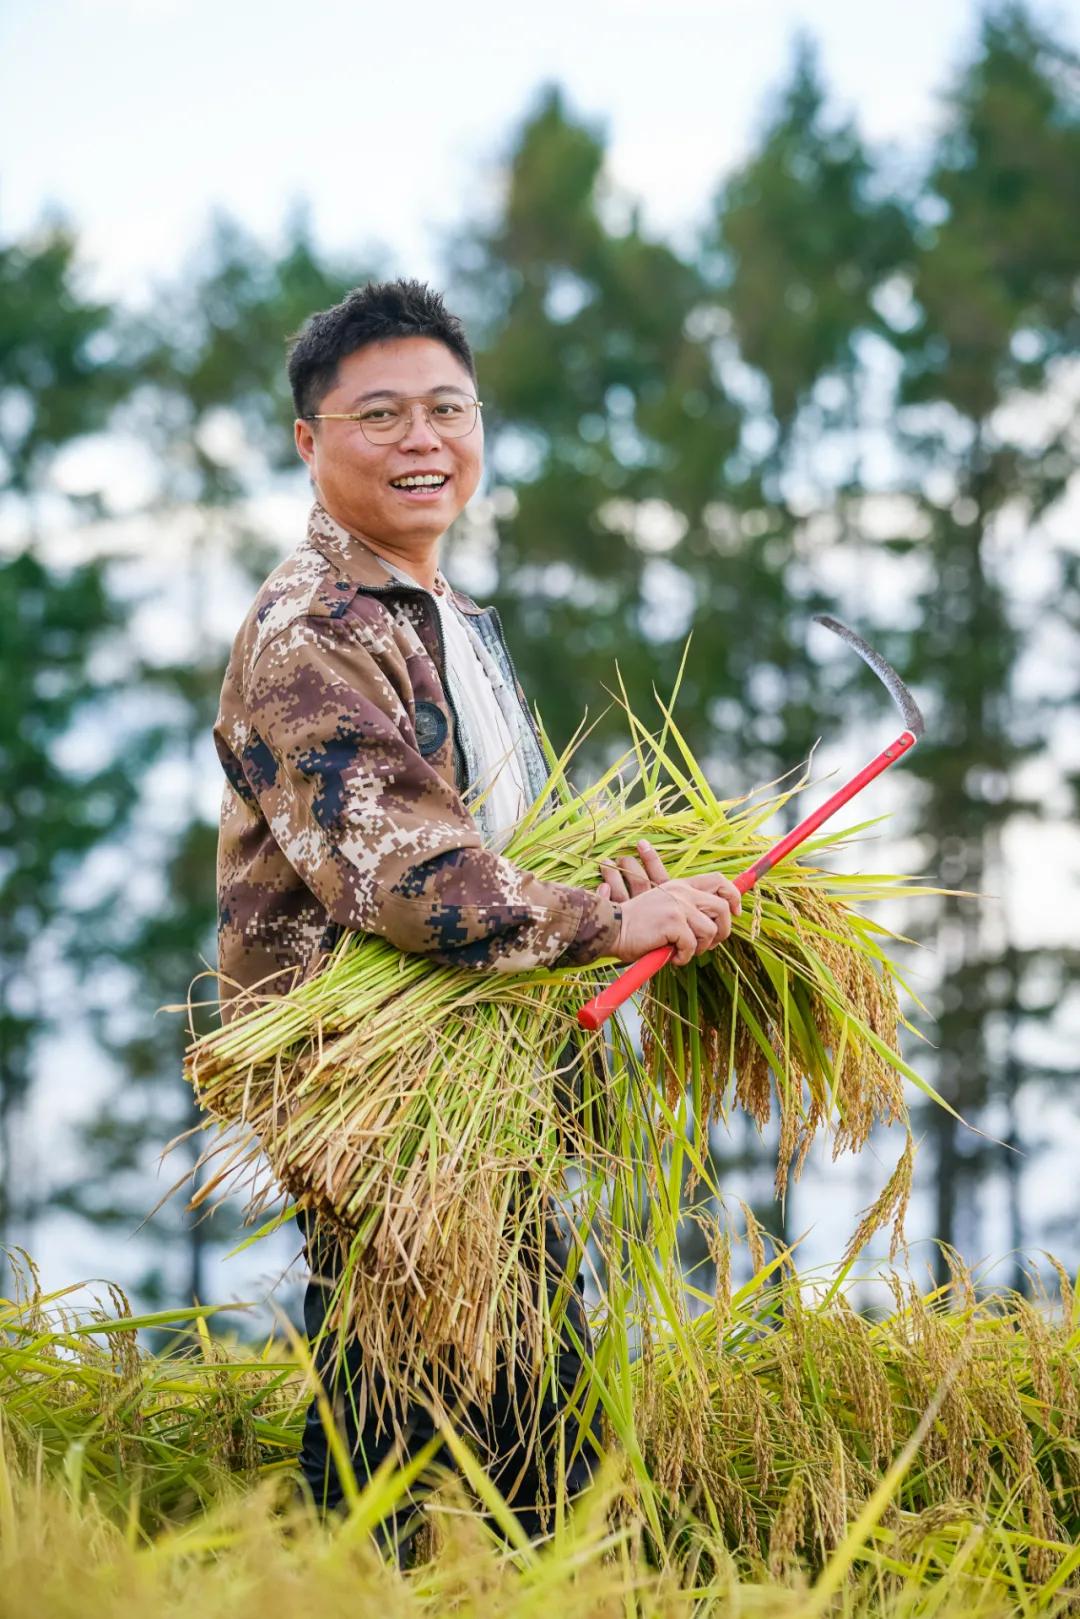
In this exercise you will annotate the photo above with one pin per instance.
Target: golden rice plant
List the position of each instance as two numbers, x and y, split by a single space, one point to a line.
62 1560
787 1467
428 1116
779 1410
154 1437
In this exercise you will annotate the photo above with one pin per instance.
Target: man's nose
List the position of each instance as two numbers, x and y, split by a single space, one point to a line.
420 434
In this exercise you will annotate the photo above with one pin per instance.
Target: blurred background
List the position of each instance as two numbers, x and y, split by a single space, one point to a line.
777 311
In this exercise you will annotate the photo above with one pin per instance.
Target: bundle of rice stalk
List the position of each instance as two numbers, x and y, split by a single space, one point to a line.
420 1110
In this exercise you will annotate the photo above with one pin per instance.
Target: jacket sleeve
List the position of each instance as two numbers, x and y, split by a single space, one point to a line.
373 829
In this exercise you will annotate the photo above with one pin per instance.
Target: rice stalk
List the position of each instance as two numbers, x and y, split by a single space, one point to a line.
428 1116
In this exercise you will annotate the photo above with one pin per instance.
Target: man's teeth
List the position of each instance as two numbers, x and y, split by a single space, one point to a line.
430 480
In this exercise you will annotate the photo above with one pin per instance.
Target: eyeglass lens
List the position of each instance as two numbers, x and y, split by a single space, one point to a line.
451 415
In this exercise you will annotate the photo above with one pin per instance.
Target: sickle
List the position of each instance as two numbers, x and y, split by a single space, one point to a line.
909 708
596 1012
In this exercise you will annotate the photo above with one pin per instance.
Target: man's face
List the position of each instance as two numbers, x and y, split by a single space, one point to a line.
355 477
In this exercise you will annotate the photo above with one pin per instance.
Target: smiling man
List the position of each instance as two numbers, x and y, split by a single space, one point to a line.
378 751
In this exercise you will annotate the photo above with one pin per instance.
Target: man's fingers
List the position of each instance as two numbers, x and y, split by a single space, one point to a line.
604 891
655 869
634 875
697 928
692 915
686 944
613 877
715 912
713 882
705 929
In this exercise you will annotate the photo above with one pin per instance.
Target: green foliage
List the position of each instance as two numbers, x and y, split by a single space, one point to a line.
52 814
993 292
806 241
58 383
999 268
608 429
58 373
213 348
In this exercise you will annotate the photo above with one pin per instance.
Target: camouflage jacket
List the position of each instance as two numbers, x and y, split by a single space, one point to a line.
342 806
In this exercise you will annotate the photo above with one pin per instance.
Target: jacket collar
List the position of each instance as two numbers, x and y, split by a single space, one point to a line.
357 562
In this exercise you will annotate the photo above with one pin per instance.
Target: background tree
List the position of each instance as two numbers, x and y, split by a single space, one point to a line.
608 434
642 430
996 324
58 382
802 240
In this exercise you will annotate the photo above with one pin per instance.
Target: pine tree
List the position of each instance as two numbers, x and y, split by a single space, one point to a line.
608 436
59 382
994 288
802 239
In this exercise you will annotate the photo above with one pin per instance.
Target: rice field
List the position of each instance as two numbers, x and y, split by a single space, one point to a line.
776 1453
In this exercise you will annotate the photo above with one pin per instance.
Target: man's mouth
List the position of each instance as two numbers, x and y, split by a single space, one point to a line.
426 482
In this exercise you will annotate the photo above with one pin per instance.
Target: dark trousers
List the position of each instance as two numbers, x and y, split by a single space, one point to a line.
519 1446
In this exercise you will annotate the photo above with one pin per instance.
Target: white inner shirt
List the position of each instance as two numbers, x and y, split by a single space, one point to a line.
469 676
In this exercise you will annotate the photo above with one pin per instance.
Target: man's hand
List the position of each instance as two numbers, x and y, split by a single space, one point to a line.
693 914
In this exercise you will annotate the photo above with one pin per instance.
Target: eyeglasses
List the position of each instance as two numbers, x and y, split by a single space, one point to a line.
385 421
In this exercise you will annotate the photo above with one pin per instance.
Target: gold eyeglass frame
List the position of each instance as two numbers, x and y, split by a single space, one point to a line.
427 401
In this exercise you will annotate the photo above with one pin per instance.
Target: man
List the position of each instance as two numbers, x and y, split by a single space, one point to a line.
378 751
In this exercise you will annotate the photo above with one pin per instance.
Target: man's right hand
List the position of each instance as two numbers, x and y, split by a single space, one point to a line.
693 914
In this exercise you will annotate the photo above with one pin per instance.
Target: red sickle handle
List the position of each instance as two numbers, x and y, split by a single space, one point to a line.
596 1012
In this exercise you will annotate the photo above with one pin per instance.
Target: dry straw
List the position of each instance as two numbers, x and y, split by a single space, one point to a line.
429 1116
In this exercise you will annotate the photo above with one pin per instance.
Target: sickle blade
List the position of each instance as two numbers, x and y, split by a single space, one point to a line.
885 672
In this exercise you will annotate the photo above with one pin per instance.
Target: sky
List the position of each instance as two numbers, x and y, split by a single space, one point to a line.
138 117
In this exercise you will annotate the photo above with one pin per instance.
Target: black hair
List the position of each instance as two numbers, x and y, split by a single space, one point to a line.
376 313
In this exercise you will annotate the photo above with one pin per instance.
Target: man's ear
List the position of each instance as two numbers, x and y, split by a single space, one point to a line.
304 434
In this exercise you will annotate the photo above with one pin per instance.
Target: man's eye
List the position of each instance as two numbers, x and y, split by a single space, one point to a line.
449 407
380 413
